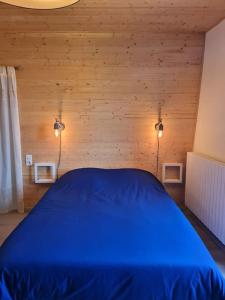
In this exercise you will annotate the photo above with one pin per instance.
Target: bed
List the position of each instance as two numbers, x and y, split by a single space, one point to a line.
107 234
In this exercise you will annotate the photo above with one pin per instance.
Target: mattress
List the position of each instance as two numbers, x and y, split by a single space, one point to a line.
107 234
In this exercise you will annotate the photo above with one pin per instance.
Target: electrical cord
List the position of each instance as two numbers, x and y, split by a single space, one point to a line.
157 156
60 135
60 154
158 126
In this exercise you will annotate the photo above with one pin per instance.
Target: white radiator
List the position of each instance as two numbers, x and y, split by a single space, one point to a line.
205 192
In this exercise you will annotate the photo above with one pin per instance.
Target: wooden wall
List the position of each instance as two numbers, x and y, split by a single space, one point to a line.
110 85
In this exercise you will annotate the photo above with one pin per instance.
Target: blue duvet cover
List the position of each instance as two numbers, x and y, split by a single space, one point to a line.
106 235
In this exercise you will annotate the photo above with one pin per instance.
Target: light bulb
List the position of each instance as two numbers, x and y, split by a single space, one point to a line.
56 132
159 128
160 133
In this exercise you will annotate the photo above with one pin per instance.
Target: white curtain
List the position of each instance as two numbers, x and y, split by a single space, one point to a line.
11 179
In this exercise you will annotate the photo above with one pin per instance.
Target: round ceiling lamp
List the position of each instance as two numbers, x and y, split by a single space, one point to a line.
41 4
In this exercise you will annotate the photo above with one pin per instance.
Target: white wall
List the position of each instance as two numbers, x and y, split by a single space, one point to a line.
210 130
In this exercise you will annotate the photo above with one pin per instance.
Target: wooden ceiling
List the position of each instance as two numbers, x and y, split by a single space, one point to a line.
102 16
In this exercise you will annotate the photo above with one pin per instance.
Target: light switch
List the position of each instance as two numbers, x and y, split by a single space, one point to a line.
28 160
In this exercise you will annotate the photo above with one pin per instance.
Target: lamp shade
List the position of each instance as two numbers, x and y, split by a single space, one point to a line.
41 4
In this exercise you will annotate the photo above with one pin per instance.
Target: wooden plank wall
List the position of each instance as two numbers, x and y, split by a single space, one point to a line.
110 85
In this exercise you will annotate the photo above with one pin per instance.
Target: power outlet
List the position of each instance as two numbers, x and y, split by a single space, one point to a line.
29 160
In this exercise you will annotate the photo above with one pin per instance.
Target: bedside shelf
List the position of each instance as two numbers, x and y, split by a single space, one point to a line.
51 175
172 166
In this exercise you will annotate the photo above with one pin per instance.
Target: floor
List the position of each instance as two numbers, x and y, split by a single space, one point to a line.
217 250
8 223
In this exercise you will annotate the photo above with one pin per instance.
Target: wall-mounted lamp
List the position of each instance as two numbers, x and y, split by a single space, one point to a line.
159 128
58 127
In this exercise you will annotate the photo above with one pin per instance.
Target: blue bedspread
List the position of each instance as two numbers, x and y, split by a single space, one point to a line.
107 234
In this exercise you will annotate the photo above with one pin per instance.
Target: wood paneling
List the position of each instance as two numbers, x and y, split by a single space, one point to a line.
110 63
110 86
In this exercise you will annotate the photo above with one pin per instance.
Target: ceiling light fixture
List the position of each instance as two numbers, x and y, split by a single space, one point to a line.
40 4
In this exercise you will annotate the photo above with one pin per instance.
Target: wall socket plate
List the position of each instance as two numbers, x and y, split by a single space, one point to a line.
29 160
